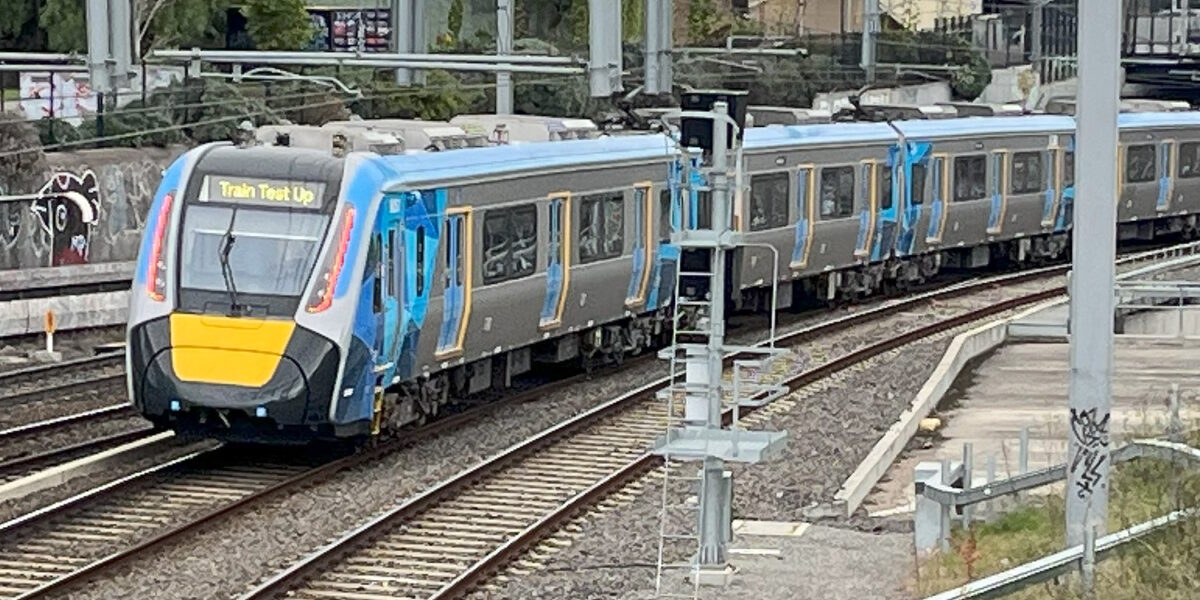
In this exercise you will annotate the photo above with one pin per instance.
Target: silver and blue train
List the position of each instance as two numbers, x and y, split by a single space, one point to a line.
290 294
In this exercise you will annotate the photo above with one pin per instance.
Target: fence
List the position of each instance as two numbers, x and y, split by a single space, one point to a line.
1007 38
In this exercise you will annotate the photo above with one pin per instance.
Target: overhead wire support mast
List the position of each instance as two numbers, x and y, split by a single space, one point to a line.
1093 270
698 435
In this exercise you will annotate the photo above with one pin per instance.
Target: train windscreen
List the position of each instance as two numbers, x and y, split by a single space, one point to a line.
249 245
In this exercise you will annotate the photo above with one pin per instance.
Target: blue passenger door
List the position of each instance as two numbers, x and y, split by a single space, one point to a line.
666 254
1166 167
866 216
806 190
391 239
913 195
938 209
999 191
558 266
456 302
643 241
888 192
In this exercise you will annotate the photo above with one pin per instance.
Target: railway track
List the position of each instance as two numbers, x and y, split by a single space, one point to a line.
458 533
65 378
445 542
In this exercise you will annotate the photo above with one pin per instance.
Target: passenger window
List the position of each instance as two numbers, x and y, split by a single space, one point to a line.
837 192
458 271
918 184
601 226
970 178
1140 163
704 210
1027 175
496 246
885 186
510 244
421 260
664 216
393 264
1189 160
768 201
523 259
1068 169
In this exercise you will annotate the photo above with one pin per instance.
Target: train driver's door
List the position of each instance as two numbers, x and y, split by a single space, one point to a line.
389 287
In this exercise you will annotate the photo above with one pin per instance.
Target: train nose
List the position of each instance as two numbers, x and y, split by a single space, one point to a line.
227 351
191 369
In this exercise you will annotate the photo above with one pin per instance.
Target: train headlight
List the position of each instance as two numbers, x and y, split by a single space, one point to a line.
331 267
156 278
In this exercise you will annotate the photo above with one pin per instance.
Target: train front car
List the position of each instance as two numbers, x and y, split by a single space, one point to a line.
240 321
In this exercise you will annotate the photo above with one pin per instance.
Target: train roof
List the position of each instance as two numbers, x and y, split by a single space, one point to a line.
408 171
868 132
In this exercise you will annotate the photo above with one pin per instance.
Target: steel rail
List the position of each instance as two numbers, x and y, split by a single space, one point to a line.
309 477
320 560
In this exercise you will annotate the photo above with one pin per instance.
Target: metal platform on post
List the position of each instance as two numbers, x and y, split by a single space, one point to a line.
712 121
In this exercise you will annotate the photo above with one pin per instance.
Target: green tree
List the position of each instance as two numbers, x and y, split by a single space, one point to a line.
18 24
633 19
454 20
703 20
65 24
278 24
177 23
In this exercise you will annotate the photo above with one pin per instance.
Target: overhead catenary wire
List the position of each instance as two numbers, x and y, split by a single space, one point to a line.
242 116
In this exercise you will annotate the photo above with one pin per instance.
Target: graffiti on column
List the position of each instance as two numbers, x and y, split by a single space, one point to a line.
1091 438
68 226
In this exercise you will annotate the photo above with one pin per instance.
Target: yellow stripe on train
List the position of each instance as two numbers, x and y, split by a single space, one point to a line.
224 350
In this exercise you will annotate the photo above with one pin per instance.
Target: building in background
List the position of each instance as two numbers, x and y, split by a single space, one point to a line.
845 16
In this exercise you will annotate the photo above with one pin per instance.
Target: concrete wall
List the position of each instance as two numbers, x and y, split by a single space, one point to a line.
118 182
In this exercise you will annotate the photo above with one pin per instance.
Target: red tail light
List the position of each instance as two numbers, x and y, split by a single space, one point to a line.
322 295
156 278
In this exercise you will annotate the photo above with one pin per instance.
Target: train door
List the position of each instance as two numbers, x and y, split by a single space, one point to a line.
938 208
999 192
890 180
1066 188
558 256
806 193
914 217
866 216
666 254
1166 168
389 288
456 239
1053 174
643 240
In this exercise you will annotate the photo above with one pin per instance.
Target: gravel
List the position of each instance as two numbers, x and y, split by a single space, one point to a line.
231 557
15 352
163 452
70 436
75 401
832 425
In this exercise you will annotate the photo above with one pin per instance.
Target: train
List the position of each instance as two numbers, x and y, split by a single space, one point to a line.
288 294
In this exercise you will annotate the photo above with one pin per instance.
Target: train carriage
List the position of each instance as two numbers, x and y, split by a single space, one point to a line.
290 294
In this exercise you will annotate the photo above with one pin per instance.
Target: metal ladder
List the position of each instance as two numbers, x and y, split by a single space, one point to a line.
670 506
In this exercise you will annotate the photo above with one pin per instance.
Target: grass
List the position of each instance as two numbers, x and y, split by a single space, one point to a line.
1164 566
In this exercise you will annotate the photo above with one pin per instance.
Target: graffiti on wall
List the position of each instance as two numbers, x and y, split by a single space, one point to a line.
100 221
68 223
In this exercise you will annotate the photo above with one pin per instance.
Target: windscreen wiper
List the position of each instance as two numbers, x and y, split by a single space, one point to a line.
227 241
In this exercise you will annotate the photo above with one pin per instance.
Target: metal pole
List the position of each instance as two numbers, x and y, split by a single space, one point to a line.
1094 252
653 44
1087 566
870 37
604 41
121 39
1035 26
420 44
402 42
504 39
98 50
712 496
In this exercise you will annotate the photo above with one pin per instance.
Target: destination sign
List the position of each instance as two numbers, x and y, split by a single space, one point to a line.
265 192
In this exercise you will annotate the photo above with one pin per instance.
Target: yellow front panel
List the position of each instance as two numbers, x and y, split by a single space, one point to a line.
224 350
